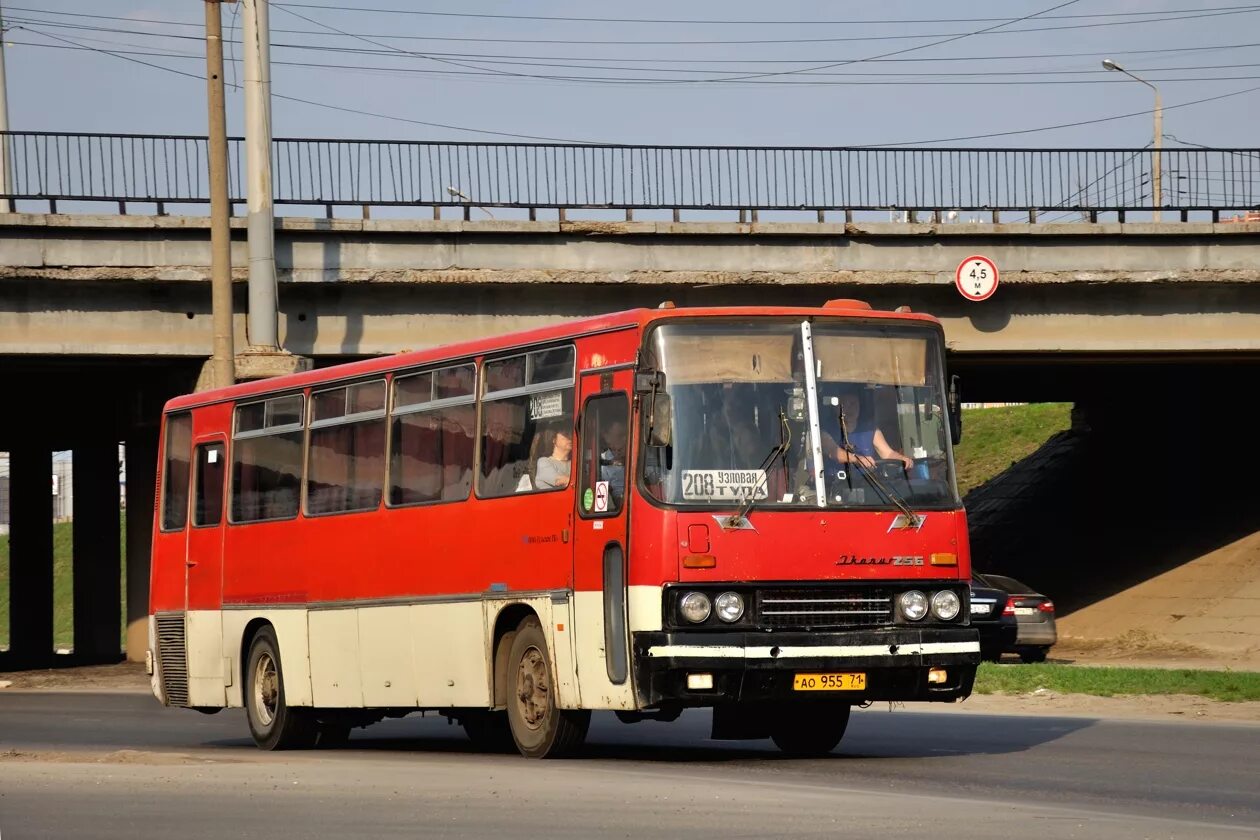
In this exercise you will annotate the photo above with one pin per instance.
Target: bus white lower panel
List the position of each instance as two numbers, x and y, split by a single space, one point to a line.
291 633
643 605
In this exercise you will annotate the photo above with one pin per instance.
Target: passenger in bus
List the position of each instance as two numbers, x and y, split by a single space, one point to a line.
612 459
865 439
552 471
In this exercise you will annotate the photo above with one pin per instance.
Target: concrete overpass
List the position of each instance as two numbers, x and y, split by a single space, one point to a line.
138 285
104 317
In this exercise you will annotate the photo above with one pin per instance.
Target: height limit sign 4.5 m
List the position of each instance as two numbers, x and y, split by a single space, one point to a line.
976 278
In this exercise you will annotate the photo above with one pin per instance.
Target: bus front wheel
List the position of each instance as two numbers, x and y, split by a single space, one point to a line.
274 724
539 728
810 729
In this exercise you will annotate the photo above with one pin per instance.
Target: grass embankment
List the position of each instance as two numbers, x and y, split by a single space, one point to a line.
995 438
1231 686
63 583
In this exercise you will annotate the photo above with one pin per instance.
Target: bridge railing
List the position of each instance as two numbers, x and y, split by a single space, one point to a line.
1080 183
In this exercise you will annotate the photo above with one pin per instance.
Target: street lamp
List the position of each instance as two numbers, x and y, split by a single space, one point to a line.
1156 171
457 194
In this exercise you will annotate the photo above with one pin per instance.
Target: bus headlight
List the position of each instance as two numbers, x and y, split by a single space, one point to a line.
914 604
695 607
730 606
945 605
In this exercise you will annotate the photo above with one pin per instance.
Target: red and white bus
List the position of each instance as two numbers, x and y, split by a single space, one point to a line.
751 509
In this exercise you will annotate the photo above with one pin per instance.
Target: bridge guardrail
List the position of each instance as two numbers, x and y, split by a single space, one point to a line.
1079 183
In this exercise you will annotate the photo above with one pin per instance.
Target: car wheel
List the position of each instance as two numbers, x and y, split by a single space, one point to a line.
1031 655
809 729
539 728
274 724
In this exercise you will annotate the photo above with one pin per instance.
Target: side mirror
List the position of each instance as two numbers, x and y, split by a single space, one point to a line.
661 419
955 411
645 382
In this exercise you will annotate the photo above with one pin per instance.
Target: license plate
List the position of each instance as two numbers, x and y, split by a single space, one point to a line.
1025 611
981 609
829 682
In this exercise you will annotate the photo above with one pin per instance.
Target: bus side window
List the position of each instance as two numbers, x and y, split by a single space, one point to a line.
267 459
431 437
208 496
526 404
175 470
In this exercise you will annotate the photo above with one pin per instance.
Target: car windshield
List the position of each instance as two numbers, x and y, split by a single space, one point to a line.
733 420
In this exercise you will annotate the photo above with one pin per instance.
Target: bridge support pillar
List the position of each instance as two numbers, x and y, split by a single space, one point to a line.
30 554
141 467
97 614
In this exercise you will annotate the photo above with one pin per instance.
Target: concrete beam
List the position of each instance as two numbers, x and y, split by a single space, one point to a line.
141 485
137 286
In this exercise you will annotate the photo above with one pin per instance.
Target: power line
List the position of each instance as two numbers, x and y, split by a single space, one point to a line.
666 61
932 79
698 42
1070 124
921 142
343 109
854 22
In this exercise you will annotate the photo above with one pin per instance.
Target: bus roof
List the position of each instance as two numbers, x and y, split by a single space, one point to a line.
491 344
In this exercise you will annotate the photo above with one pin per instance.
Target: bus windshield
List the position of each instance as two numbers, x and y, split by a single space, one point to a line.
733 421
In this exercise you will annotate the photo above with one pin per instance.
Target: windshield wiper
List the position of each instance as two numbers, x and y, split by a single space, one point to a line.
740 517
913 520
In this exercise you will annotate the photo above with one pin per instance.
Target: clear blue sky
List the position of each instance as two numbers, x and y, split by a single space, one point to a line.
483 72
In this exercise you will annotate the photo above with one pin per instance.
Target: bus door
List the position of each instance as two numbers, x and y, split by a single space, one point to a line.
599 544
204 569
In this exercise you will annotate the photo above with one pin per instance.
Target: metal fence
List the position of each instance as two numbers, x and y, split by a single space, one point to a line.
171 169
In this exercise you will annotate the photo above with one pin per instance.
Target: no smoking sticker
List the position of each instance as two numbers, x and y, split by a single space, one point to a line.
601 496
976 278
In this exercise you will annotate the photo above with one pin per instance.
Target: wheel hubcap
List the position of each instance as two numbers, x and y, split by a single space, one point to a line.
266 689
533 693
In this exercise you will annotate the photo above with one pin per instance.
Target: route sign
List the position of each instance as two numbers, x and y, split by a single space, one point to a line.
976 278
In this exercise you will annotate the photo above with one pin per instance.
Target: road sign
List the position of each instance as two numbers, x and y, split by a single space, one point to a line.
601 496
976 278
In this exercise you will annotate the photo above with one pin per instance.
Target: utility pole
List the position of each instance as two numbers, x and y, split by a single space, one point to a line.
262 331
222 360
1157 170
6 163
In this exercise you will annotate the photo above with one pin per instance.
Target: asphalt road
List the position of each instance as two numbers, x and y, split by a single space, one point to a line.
121 766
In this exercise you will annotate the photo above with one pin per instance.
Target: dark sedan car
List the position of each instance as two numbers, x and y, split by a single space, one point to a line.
1034 614
994 617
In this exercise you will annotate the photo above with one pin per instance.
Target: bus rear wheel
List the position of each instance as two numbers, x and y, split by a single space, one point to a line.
274 724
539 728
810 729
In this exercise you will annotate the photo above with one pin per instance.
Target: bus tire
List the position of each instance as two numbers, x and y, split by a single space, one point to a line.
274 724
539 728
809 729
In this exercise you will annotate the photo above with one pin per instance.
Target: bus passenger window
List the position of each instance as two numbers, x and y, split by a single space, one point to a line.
431 436
527 423
208 498
346 470
175 471
267 459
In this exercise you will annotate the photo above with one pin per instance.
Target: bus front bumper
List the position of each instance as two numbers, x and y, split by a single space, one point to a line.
895 663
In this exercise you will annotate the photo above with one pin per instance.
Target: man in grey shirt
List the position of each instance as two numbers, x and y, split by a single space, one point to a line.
553 469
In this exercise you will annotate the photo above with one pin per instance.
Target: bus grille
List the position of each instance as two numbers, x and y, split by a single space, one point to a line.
807 609
172 659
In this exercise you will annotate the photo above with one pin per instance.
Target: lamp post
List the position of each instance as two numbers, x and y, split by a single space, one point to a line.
1156 169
